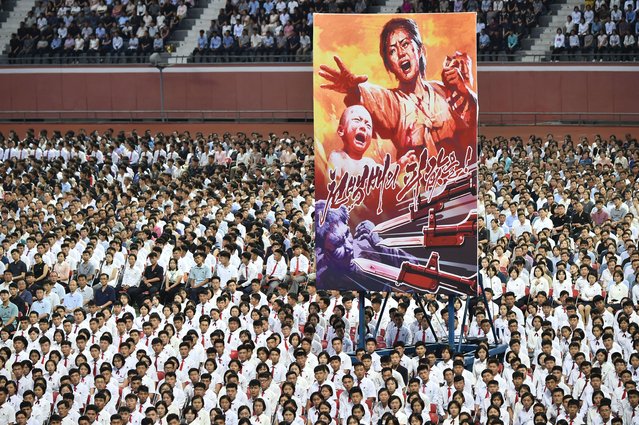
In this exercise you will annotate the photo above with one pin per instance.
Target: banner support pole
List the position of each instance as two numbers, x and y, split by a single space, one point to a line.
451 322
381 312
361 341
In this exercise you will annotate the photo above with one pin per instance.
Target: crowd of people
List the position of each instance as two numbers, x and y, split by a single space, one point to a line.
265 30
282 30
501 25
601 30
95 31
169 279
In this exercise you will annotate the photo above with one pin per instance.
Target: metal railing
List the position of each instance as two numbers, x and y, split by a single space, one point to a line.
125 59
305 116
156 115
252 57
558 118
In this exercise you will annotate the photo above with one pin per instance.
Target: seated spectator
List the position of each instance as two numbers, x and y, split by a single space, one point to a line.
512 43
601 50
574 44
158 44
559 44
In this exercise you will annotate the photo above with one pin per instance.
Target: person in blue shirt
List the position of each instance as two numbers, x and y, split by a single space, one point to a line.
228 44
512 43
8 311
72 299
100 31
56 46
202 46
631 15
216 42
215 45
253 7
41 305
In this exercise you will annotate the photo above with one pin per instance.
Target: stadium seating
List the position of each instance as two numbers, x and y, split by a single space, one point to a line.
605 30
69 31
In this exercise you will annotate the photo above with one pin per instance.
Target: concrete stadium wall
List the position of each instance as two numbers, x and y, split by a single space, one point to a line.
280 92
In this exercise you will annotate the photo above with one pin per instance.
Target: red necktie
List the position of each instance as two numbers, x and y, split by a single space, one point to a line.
274 267
182 364
297 265
424 340
202 309
202 340
65 361
229 340
396 337
449 393
95 367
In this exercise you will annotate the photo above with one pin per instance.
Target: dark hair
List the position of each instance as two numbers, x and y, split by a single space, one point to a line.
412 29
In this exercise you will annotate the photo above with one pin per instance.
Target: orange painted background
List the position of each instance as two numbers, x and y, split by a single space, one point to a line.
355 39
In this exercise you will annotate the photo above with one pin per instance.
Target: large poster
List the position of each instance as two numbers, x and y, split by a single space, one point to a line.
395 152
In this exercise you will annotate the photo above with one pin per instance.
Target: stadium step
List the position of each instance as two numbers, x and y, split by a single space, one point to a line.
13 15
5 10
538 50
185 42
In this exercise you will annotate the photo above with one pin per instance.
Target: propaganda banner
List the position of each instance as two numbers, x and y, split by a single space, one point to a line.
395 112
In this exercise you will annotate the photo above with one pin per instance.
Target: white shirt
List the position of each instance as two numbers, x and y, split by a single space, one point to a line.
225 273
301 264
276 269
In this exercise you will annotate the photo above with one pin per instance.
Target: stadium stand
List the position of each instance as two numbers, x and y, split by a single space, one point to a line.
602 30
500 27
97 31
128 32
